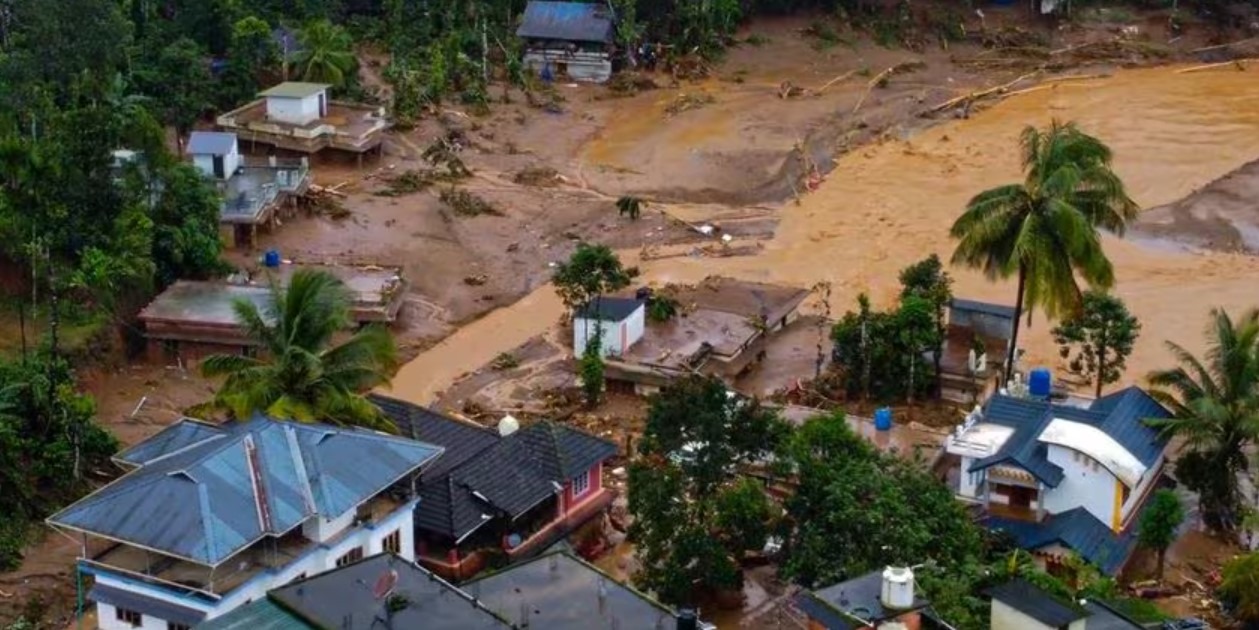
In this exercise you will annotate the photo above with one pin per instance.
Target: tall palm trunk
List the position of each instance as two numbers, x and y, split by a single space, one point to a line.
1018 314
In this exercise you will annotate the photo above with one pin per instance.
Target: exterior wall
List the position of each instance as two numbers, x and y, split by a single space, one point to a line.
592 67
317 559
617 336
596 484
107 619
968 482
982 323
1083 485
1138 494
320 529
205 163
1005 617
297 111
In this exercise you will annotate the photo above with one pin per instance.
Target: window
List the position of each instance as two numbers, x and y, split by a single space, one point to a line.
170 625
581 483
129 617
353 555
393 542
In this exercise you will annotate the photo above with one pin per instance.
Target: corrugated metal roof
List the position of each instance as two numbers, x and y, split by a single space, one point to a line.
343 599
211 143
1028 418
1125 413
294 89
987 308
182 434
559 591
202 503
838 606
1034 602
262 614
567 21
159 608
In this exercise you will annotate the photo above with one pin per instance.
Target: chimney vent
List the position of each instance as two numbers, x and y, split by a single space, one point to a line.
898 588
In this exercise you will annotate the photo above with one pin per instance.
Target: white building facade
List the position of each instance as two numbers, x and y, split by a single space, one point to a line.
618 322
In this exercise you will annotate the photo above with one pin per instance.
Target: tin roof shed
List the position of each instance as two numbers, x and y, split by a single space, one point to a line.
567 21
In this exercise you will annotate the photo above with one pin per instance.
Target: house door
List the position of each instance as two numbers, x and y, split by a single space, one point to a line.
219 170
1021 497
323 104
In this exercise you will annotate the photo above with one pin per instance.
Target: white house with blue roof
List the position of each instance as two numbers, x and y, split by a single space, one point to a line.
1062 478
211 517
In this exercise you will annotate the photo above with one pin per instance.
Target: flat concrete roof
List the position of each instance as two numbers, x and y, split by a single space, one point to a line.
204 302
294 89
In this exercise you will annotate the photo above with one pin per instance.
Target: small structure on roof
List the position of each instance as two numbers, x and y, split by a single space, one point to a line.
722 328
255 192
301 117
1058 477
493 492
212 516
617 322
1020 605
568 39
886 599
976 341
192 319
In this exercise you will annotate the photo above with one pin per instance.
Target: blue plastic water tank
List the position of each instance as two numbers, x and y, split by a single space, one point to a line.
271 258
1039 382
883 419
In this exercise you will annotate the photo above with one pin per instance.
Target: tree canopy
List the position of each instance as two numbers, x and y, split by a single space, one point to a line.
1159 523
591 271
1097 339
302 373
1045 229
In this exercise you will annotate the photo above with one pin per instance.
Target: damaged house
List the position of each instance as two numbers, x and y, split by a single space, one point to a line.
570 40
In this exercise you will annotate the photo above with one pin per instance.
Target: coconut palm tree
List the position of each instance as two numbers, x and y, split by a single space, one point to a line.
326 53
1215 402
1045 229
302 375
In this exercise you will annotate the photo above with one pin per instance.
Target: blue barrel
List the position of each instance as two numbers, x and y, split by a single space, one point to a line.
883 419
1039 383
271 258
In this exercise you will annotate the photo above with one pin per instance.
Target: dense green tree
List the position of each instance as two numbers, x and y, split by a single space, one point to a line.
178 83
326 54
1102 334
1239 587
592 369
881 353
208 22
1216 407
1159 523
302 374
252 56
1044 230
855 509
186 241
591 271
927 280
693 516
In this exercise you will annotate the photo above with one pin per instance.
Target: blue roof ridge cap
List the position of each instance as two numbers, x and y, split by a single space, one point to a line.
203 497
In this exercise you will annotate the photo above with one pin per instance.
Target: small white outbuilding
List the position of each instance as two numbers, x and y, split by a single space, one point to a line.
620 321
296 103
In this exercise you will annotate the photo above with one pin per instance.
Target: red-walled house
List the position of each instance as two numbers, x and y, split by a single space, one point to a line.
516 493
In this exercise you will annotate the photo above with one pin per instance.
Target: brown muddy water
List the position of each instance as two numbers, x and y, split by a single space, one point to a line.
888 205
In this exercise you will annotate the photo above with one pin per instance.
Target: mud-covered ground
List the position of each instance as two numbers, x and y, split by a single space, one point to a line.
729 160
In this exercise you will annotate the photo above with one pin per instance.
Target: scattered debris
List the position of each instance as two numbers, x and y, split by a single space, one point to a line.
690 68
504 361
468 204
966 99
538 176
843 77
881 78
629 83
476 281
325 201
406 183
1239 64
788 90
688 101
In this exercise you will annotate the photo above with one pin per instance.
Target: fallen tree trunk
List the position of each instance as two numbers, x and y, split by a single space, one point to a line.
843 77
1240 64
967 98
884 76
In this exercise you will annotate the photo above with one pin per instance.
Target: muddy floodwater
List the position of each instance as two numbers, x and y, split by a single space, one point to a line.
889 204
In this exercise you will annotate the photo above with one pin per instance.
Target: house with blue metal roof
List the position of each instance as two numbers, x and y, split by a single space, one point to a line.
1061 478
568 39
213 516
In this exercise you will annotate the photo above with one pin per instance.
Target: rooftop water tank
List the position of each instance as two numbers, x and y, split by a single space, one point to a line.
1039 383
898 588
508 425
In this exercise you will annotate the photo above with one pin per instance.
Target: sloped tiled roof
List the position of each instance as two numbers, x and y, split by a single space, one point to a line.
487 475
207 500
1077 530
1121 415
